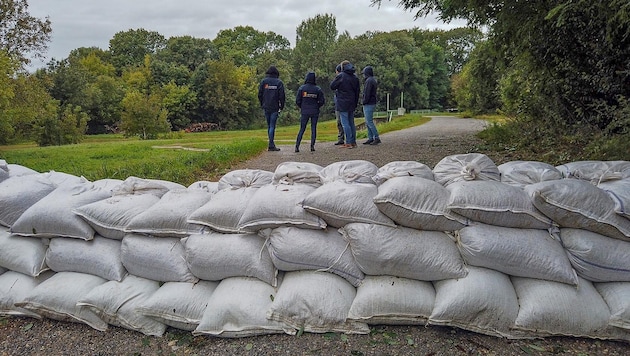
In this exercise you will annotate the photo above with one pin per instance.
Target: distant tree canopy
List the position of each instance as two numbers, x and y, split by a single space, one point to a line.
22 35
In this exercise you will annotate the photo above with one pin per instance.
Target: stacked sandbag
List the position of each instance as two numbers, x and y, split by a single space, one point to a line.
522 250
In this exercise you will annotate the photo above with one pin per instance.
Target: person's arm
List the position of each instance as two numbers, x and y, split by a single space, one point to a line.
260 93
334 85
298 98
321 98
281 95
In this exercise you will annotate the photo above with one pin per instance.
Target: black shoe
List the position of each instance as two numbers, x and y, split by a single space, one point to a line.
312 148
368 142
273 149
297 149
376 141
339 143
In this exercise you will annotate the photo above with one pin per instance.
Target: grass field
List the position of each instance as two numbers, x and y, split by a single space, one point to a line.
181 157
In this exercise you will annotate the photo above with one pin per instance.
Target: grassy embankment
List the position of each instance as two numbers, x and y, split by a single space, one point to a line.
182 157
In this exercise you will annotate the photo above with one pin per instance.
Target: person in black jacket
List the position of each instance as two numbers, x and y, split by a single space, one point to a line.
272 98
347 86
369 105
309 99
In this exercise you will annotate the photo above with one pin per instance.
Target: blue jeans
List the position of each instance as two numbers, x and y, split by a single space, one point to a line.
368 111
347 121
272 118
303 121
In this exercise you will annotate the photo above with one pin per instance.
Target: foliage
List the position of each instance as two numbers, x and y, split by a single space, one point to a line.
243 45
21 34
129 48
143 115
67 128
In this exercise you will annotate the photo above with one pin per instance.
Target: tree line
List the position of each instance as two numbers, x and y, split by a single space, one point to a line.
145 84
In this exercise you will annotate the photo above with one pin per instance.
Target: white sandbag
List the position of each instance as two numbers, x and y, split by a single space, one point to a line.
238 308
315 302
402 169
551 308
235 190
179 305
56 298
63 179
596 171
276 205
19 193
465 167
13 287
388 300
116 303
596 257
159 259
110 217
108 184
619 191
169 216
4 170
353 171
297 173
484 302
26 255
135 185
243 178
340 203
216 256
19 170
210 187
495 203
404 252
294 249
578 204
417 203
100 257
522 173
518 252
617 297
53 215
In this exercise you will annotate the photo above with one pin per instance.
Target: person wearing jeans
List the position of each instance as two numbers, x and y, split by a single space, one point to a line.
272 98
347 86
369 105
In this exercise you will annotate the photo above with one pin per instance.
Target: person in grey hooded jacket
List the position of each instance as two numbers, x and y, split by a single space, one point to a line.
309 99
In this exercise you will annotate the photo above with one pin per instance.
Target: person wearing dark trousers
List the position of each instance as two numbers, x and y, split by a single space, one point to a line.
272 98
347 85
340 134
309 99
369 105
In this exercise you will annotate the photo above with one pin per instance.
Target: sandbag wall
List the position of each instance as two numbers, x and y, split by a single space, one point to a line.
520 250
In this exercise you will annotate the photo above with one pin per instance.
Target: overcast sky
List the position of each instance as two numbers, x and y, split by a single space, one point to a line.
91 23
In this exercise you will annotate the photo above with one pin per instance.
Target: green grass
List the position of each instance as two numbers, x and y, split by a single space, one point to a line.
182 158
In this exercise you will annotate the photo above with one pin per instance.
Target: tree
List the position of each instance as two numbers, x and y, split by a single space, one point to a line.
315 37
67 128
143 115
128 48
188 51
244 44
21 34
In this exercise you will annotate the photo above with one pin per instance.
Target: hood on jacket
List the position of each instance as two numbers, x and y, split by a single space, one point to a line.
368 71
273 72
310 78
348 68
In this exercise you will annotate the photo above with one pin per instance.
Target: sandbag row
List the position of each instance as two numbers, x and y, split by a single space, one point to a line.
519 250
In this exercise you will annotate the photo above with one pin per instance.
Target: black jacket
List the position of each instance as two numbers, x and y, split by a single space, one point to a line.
347 86
369 87
271 91
310 97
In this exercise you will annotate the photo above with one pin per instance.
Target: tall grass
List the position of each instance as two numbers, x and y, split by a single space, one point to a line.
182 158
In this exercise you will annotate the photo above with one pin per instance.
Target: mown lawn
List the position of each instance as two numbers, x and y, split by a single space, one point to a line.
182 157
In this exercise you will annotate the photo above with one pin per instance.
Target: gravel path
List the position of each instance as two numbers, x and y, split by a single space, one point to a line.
428 144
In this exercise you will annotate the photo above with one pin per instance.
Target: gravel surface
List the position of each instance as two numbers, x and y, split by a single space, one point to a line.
427 144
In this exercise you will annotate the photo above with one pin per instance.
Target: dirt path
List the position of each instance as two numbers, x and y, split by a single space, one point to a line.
428 144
